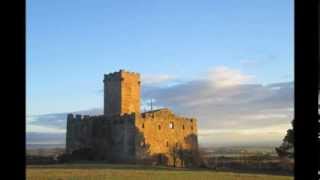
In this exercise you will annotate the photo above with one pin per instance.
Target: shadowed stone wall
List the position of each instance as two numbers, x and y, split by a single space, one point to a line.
108 137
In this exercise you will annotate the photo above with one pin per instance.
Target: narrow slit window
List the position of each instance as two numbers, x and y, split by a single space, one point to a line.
143 125
159 127
171 125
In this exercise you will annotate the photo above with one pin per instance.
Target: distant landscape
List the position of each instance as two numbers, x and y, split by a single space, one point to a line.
43 146
42 159
211 151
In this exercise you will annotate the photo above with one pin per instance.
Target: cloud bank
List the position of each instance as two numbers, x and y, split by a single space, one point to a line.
228 100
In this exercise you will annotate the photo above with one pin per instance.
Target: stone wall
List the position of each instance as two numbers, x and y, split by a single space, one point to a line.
109 138
122 134
164 138
84 132
154 137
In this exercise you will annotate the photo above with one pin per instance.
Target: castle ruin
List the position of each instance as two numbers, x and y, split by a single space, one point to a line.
124 135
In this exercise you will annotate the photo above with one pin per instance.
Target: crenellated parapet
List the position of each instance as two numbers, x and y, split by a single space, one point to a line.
78 117
165 112
122 71
70 116
115 76
118 75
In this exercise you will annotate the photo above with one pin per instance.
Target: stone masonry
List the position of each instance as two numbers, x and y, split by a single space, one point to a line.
124 135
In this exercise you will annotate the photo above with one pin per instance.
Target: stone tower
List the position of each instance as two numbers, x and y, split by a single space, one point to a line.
121 93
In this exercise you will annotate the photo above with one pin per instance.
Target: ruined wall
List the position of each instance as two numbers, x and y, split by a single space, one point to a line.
109 138
121 93
157 137
84 132
164 138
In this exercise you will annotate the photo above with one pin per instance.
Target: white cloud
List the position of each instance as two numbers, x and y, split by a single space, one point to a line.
251 131
226 101
30 119
54 122
43 129
262 116
270 135
156 79
224 77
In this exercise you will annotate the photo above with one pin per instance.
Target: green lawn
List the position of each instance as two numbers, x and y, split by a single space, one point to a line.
134 172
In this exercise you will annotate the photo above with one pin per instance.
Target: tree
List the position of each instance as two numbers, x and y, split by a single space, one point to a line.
286 148
174 153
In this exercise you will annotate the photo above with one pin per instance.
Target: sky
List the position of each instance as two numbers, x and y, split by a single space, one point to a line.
228 63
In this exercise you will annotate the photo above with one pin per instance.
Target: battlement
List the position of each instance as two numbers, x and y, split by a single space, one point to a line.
122 71
79 117
116 76
165 112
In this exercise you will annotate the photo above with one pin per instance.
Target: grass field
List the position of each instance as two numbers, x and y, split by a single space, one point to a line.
133 172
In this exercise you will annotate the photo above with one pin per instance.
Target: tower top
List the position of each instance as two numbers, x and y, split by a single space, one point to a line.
119 74
121 92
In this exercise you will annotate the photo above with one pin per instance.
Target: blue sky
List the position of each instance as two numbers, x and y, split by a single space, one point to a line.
71 44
